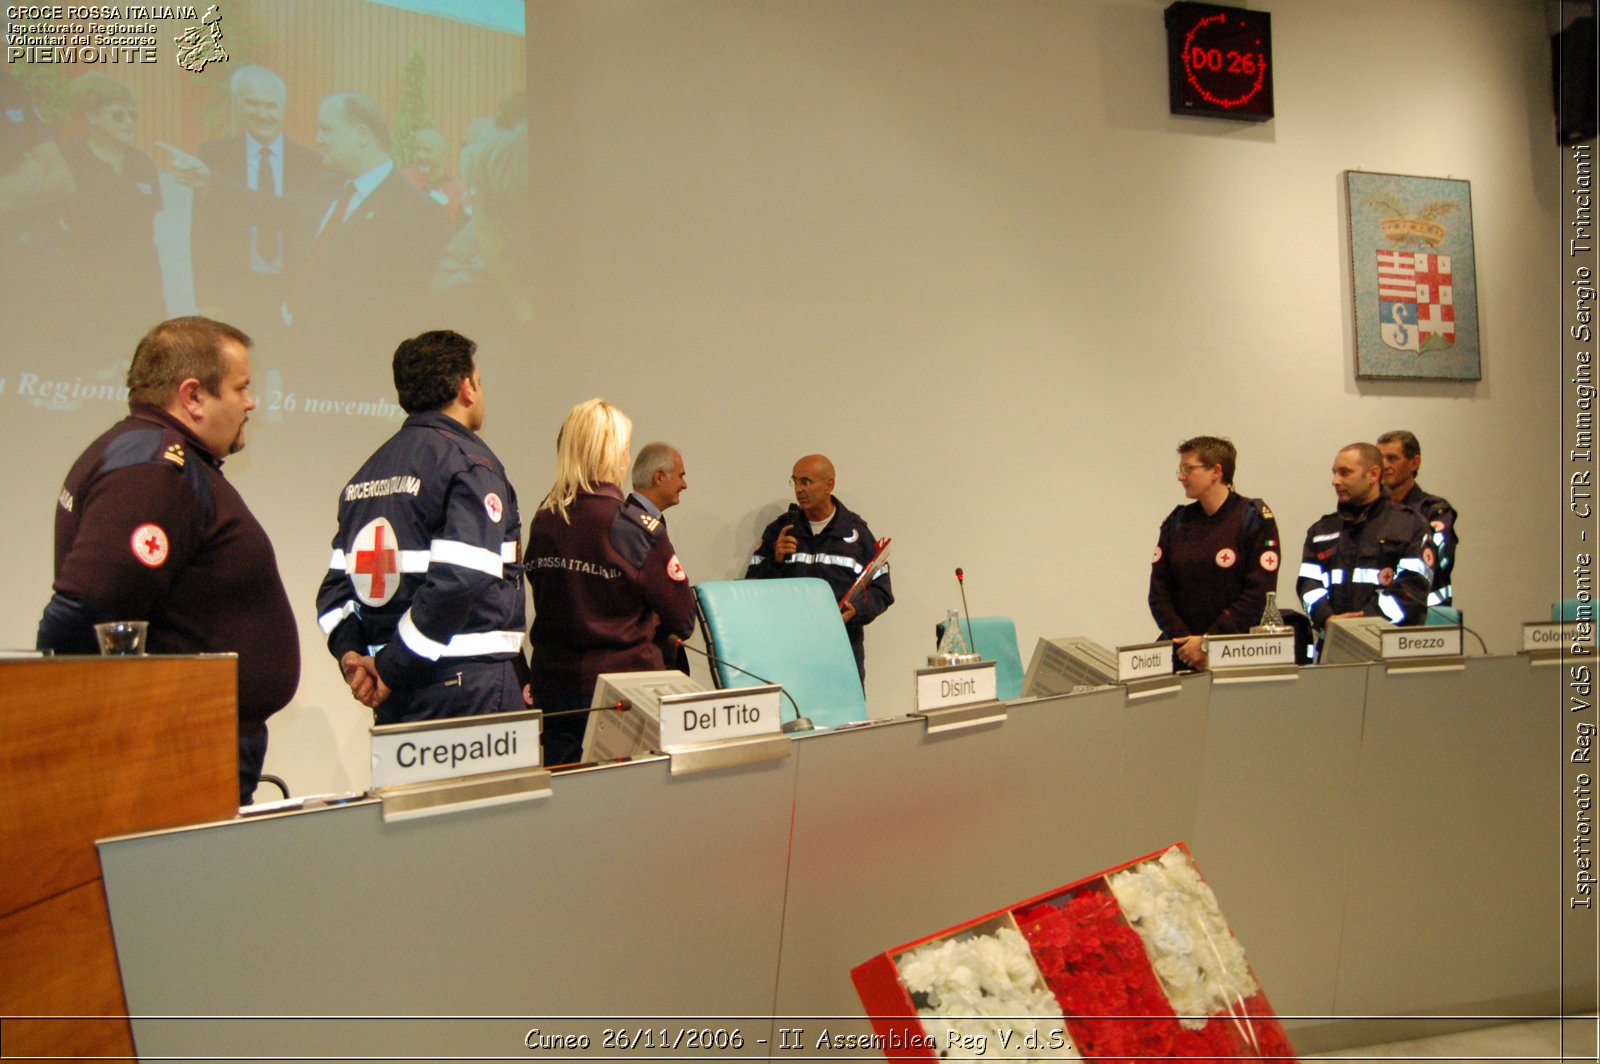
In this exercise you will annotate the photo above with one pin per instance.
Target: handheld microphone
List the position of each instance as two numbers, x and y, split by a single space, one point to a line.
961 582
801 722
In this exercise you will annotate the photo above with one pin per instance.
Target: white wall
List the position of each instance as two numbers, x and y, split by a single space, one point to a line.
962 248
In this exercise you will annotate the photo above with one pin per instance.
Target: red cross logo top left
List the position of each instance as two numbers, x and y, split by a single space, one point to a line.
150 545
375 562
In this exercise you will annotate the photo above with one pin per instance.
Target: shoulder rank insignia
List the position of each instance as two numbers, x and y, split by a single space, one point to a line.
650 523
1266 511
174 454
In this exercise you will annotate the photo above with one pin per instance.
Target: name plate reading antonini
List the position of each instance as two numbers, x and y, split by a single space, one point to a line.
1400 644
1144 662
1224 652
955 685
449 749
709 716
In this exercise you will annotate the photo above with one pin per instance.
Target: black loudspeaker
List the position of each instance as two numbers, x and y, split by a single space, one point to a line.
1572 52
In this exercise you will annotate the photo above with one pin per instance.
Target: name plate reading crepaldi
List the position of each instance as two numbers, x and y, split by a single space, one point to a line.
1224 652
427 751
730 713
1553 637
1144 662
1403 643
955 685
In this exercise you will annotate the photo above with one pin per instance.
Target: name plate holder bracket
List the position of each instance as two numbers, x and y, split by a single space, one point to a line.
691 758
1399 658
411 801
1276 672
959 696
1144 670
959 718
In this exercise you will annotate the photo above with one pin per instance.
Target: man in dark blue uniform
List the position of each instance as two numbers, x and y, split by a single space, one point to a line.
820 536
148 528
423 604
1402 457
1366 558
659 482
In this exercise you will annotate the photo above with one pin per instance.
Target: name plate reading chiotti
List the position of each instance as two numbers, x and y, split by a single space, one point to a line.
439 766
959 696
1252 656
1146 669
1411 644
732 726
1550 639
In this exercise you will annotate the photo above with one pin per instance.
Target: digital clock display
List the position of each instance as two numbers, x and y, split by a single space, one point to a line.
1219 61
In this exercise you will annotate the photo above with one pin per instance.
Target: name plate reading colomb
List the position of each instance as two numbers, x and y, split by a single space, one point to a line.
427 751
1553 638
1406 644
1147 661
1258 655
955 685
711 716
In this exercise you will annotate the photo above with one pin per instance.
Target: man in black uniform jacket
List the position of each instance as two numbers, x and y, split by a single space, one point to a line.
1365 558
1402 457
820 536
147 528
422 604
658 483
1216 558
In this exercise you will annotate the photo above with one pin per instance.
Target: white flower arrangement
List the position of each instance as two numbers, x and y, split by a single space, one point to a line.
977 994
1200 964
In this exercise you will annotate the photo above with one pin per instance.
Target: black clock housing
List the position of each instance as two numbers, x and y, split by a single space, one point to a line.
1219 61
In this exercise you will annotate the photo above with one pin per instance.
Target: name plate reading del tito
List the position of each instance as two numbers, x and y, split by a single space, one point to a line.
717 729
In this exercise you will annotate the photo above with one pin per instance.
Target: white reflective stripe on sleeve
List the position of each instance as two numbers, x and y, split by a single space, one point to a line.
1418 566
1438 539
1436 599
1312 597
1391 607
1312 572
474 644
480 559
755 559
330 620
1325 538
337 561
1364 576
508 551
410 561
798 557
840 560
415 641
1336 576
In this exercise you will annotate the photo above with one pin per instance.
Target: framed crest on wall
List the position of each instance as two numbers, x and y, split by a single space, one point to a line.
1413 279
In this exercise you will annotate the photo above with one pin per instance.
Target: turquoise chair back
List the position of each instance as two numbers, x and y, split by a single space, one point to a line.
790 632
1443 615
996 639
1571 610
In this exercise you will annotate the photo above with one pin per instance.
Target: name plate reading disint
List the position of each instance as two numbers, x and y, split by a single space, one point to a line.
959 696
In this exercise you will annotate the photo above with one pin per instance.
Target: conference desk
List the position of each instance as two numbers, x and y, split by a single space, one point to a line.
1385 844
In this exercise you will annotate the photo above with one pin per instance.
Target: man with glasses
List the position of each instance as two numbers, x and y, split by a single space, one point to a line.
819 536
1215 558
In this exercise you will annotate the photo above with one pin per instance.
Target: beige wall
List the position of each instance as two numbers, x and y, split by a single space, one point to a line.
962 248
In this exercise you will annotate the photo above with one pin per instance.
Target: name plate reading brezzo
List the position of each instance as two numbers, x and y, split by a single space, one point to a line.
450 749
1147 661
709 716
955 685
1224 652
1432 642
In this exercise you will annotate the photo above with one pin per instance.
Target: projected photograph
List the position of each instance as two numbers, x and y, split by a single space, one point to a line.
330 176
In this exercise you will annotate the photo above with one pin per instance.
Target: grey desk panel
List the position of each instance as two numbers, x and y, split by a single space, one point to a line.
539 909
1275 822
899 834
1454 887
